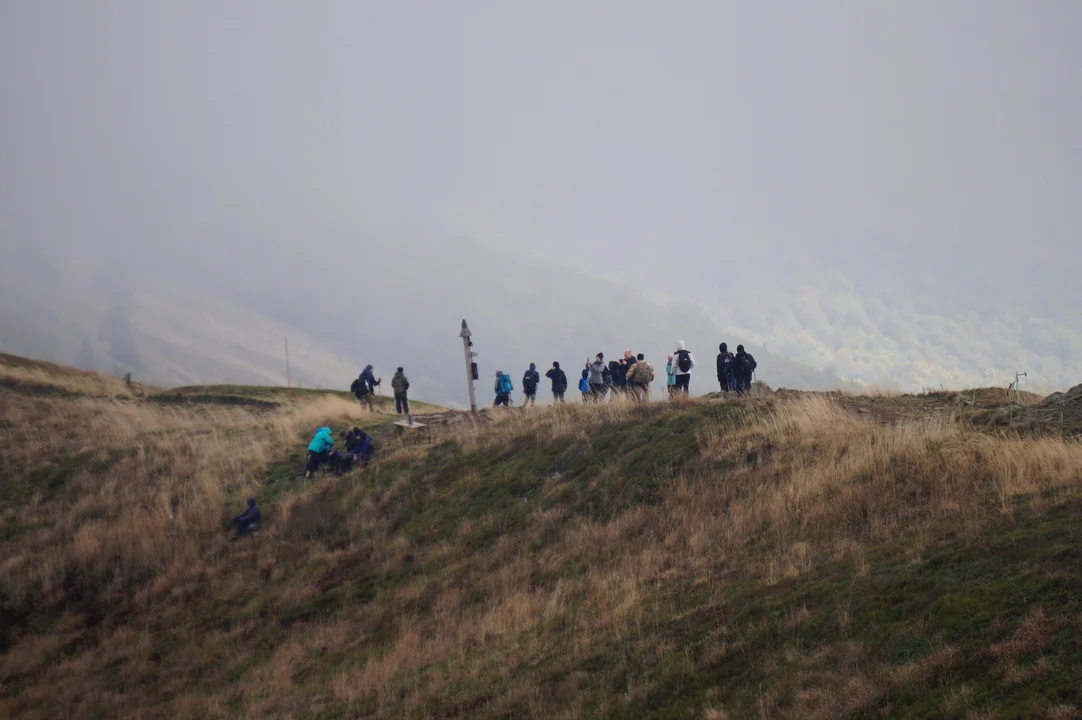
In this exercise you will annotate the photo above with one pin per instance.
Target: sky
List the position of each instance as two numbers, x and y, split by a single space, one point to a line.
883 191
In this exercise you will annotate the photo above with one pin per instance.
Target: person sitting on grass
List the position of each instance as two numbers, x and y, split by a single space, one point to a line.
358 444
319 451
248 521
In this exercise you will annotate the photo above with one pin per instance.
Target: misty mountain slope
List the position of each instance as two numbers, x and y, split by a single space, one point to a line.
403 307
921 334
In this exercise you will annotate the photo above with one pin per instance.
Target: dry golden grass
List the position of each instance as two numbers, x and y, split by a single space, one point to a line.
788 484
172 473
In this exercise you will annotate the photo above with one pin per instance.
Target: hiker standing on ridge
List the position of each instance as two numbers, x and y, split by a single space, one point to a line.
743 367
529 385
684 363
559 382
401 386
639 376
617 379
364 388
725 368
670 377
597 376
584 386
503 389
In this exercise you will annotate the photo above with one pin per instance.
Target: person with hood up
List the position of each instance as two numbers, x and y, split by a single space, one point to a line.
725 368
319 451
670 377
364 388
529 385
584 386
248 521
503 389
684 363
597 376
401 385
559 382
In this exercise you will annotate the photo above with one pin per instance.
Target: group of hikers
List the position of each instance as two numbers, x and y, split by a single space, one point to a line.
629 376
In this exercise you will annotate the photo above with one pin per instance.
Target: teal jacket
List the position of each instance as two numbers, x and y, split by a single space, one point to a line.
322 442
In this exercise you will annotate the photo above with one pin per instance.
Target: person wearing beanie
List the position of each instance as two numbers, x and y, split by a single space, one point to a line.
401 385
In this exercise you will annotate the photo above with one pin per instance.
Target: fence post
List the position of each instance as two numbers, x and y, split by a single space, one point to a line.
1061 418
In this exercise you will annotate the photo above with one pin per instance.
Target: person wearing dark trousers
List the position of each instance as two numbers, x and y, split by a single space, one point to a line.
319 451
401 387
743 367
725 368
248 521
684 363
503 389
559 382
597 376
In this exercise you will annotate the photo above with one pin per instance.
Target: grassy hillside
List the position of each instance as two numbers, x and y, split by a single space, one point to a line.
795 556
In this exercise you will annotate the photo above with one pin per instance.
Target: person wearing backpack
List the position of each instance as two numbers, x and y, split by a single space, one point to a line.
559 382
684 363
503 389
639 376
401 386
529 385
743 367
725 368
364 388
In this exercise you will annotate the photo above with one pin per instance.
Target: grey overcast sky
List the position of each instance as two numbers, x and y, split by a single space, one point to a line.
889 190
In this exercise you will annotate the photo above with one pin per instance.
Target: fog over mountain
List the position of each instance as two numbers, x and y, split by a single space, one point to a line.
881 193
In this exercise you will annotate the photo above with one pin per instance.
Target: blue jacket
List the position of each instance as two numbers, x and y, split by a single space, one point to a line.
369 380
322 442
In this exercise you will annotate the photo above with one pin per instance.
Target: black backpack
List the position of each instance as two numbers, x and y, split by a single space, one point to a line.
684 360
354 387
751 363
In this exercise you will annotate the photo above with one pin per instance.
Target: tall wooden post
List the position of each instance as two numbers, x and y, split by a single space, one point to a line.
470 354
289 384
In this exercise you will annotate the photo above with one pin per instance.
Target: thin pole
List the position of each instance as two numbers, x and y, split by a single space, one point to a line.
289 383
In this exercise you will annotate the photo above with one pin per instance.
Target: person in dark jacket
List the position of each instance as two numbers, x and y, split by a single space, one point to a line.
559 382
358 443
401 385
743 368
617 379
364 388
248 521
725 368
529 385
